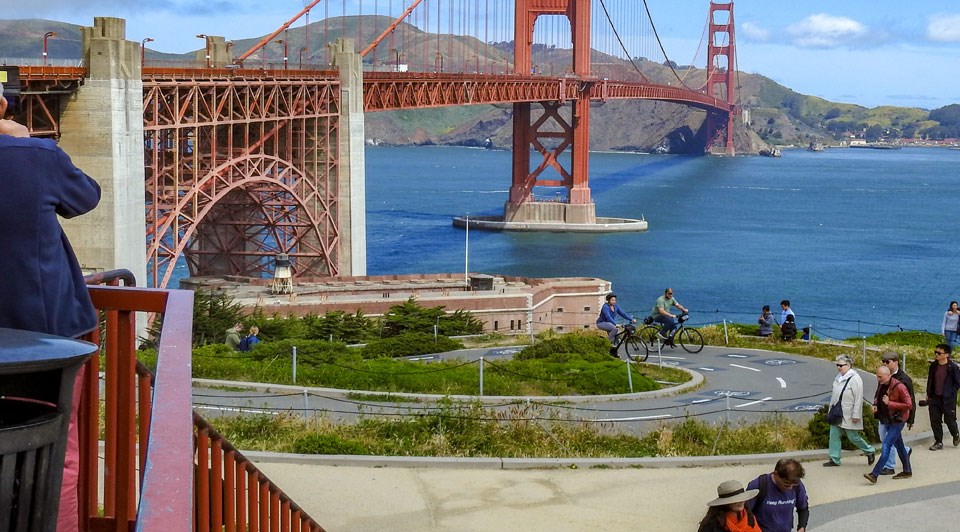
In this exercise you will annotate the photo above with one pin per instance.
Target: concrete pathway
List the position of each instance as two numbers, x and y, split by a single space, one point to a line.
466 495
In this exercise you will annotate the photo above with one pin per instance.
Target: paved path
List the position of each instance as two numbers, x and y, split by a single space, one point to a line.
355 494
465 499
740 384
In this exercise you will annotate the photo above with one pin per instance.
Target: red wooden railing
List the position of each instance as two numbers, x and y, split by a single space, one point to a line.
143 480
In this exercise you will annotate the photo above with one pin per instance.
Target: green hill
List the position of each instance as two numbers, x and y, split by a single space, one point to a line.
777 114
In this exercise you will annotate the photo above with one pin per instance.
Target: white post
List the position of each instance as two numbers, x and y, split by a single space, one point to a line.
306 403
865 353
294 364
726 338
629 376
466 255
481 376
727 413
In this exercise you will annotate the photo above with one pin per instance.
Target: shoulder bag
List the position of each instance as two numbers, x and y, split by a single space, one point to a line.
835 414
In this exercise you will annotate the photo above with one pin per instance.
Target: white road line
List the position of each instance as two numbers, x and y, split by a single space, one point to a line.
706 369
701 401
783 383
745 367
734 355
638 418
675 358
754 402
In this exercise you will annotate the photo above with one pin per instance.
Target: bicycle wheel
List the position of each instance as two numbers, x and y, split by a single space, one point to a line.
636 349
649 339
690 340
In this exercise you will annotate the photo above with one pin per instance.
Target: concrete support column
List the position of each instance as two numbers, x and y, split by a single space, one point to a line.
102 125
351 218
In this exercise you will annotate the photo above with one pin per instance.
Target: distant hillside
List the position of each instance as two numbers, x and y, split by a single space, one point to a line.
778 115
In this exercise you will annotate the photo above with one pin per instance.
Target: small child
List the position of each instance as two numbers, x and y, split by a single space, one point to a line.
788 331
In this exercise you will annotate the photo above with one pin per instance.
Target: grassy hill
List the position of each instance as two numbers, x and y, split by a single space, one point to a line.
778 115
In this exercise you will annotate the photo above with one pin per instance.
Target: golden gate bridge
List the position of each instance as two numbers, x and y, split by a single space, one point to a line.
243 153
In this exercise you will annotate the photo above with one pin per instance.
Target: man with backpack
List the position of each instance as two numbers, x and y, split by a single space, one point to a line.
781 492
250 340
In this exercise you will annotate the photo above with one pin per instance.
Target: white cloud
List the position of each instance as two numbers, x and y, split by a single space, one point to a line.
944 28
826 31
753 31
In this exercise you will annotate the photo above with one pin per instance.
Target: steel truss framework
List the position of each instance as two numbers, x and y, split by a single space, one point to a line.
41 96
238 170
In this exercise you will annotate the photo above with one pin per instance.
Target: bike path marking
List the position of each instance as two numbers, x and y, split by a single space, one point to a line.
783 383
745 367
754 402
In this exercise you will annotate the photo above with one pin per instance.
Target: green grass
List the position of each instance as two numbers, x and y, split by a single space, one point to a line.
524 431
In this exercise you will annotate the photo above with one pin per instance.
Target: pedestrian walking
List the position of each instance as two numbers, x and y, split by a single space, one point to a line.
943 381
891 405
891 359
779 494
848 391
951 324
727 512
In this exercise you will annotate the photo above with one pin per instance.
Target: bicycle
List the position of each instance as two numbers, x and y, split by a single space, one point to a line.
634 347
689 338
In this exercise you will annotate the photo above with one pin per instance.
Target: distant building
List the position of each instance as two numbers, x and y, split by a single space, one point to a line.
506 305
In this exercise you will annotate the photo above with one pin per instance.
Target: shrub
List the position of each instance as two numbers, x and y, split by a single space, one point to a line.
409 344
820 430
588 346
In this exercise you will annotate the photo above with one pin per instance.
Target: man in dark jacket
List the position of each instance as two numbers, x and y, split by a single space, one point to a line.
891 360
42 287
943 381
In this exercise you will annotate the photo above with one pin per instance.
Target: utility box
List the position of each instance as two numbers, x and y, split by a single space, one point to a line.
37 373
481 282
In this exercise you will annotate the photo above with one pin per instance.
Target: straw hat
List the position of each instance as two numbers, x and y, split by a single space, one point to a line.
730 492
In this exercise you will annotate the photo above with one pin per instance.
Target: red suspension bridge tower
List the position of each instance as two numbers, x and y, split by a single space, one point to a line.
721 69
551 125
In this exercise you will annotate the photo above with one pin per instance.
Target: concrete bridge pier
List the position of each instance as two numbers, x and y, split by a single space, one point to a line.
102 126
352 197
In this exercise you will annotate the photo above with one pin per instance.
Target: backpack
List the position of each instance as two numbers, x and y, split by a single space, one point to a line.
245 343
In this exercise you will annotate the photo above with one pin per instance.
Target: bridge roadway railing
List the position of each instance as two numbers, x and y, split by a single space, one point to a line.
147 461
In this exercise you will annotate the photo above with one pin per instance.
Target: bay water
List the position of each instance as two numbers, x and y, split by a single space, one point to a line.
859 240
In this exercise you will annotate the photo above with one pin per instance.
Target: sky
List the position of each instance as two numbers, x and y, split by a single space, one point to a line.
867 52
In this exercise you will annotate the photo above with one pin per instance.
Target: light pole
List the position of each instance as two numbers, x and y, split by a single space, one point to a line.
46 36
396 53
143 49
302 49
206 40
439 65
229 55
284 43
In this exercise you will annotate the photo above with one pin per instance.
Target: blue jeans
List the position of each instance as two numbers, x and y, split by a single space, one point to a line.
611 329
892 461
952 338
667 324
892 438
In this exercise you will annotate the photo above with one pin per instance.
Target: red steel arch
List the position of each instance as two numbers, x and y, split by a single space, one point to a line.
254 160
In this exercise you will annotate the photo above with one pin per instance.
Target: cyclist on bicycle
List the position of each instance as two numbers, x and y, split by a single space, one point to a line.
661 314
607 320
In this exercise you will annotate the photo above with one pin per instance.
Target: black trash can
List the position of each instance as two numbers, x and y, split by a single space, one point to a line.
37 372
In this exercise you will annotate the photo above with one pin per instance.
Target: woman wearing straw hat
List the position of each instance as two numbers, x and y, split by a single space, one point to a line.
727 512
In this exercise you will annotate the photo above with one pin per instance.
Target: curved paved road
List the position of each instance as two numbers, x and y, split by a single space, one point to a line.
739 384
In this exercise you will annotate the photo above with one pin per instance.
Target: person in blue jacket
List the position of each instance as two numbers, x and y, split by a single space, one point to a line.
42 287
607 320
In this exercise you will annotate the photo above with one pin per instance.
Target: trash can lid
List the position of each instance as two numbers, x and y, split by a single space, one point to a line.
31 351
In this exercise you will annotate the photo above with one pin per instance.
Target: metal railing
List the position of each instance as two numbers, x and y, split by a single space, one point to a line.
143 480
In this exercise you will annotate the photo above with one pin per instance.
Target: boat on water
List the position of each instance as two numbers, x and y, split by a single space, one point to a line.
876 146
815 146
770 152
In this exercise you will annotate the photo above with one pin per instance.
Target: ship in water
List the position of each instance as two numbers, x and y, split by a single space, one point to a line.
815 146
770 152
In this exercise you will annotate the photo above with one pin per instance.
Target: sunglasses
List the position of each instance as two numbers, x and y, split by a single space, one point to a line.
842 365
940 352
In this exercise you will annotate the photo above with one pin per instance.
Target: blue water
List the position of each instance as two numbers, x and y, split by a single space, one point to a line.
860 241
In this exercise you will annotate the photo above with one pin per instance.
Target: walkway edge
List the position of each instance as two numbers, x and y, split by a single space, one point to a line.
425 462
